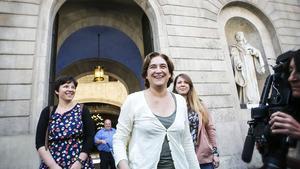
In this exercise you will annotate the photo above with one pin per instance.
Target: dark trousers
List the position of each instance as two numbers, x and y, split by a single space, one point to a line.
207 166
107 160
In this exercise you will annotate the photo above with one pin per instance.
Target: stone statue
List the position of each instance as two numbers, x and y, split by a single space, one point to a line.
246 61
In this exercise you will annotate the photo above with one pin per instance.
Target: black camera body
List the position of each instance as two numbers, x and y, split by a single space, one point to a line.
276 96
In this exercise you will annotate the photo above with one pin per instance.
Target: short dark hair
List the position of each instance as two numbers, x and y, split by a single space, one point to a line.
147 61
63 80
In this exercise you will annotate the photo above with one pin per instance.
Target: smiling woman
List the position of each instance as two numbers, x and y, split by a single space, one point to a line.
294 78
201 125
161 60
154 123
284 123
69 127
287 121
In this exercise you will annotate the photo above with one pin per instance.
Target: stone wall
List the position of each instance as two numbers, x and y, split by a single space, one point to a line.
196 48
189 31
18 23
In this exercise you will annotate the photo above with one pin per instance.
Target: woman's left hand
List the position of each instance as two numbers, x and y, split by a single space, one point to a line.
76 165
216 161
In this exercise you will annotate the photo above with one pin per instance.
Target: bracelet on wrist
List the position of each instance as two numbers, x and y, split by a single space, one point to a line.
216 154
215 151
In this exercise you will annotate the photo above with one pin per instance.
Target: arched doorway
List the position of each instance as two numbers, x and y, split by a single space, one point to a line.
91 33
108 47
119 49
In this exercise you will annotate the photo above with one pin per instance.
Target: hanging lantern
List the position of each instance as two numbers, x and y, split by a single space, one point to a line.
98 74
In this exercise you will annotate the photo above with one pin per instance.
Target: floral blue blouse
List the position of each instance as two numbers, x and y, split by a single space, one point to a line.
66 138
194 124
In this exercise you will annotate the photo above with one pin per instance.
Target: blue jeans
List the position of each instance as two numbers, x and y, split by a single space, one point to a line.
207 166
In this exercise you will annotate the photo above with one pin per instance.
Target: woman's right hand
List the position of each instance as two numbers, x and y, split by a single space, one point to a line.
123 165
216 161
55 166
47 158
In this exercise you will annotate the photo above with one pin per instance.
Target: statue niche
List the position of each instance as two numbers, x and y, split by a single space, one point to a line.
246 61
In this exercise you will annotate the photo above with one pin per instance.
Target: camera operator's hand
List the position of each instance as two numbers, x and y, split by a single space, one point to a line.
282 123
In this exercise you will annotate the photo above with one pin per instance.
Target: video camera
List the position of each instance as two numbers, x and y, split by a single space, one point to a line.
276 96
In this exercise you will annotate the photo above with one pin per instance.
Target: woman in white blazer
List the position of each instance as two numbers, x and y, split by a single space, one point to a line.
153 128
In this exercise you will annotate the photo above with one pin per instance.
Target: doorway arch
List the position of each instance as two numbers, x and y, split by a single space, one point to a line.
47 33
99 42
116 69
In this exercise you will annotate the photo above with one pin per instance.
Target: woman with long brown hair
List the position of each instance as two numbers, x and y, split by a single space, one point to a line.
201 126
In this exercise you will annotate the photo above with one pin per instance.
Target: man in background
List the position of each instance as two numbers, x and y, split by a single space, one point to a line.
103 141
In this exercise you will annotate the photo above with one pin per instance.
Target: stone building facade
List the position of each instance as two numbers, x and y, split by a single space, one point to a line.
35 35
